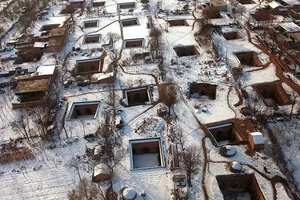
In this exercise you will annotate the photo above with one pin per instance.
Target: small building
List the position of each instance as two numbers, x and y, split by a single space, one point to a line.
100 173
256 141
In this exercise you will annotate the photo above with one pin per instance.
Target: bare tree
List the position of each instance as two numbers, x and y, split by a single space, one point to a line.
234 4
240 9
191 160
114 36
202 35
75 163
155 41
21 123
113 150
293 98
86 190
42 116
169 94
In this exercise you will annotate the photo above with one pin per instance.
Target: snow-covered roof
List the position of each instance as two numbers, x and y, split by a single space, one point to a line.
45 70
101 169
290 27
274 4
101 76
258 138
32 86
40 44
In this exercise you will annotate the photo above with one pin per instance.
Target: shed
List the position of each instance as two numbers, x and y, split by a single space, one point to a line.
101 173
256 141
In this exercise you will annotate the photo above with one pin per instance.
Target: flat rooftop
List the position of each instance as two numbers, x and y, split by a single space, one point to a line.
32 86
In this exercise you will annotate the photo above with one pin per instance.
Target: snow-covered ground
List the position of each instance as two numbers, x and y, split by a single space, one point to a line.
48 175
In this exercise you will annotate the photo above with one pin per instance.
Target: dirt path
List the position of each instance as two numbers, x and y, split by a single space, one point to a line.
280 68
230 89
205 164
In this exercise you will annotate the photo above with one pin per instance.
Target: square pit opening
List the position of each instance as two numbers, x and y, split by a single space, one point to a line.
88 66
126 5
129 22
273 94
186 51
90 23
146 153
98 3
49 27
31 96
239 187
92 39
243 2
202 90
84 110
138 96
232 35
212 13
132 43
178 22
224 133
248 58
261 16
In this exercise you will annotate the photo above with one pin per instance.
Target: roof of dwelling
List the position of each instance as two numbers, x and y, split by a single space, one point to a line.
32 86
55 42
48 21
258 138
274 4
295 36
218 2
290 27
57 32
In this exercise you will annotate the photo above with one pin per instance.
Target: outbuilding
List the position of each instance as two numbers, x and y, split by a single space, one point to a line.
101 173
256 141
